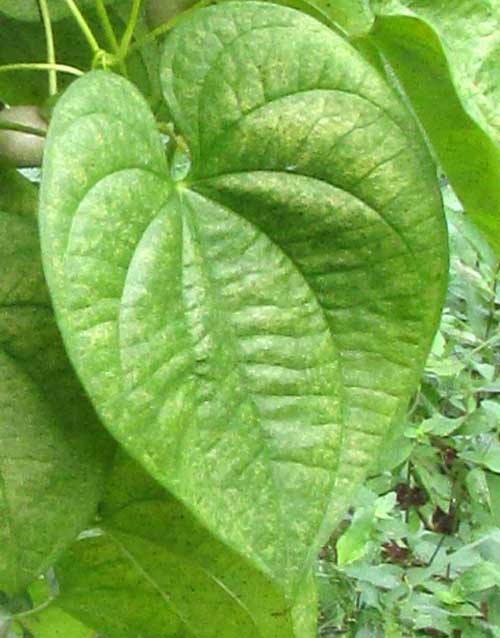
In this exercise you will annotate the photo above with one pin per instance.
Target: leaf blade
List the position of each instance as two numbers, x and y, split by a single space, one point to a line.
49 433
430 52
155 268
149 533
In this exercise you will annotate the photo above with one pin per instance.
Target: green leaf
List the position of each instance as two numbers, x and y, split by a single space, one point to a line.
439 425
28 9
353 544
145 541
17 195
477 486
251 333
446 60
478 578
53 455
437 485
489 458
383 576
494 491
53 622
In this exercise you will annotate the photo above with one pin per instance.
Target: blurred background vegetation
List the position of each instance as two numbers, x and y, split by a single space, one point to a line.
418 554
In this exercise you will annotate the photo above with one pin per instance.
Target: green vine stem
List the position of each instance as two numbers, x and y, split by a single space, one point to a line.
84 27
49 39
167 26
491 316
34 611
21 128
129 31
110 34
40 66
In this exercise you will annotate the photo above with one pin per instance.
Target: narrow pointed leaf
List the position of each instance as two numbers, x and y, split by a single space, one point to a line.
145 541
250 334
52 454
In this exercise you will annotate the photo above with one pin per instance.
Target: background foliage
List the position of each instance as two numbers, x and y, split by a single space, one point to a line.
419 553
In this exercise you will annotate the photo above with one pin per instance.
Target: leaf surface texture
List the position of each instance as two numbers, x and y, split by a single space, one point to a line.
145 540
52 453
248 334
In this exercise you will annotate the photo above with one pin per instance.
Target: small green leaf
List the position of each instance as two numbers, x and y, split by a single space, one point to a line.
17 194
477 486
53 622
53 453
439 425
489 458
251 333
437 485
477 579
383 576
494 490
353 544
145 541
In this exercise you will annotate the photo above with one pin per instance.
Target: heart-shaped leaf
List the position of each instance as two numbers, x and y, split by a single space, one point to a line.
145 540
53 455
251 333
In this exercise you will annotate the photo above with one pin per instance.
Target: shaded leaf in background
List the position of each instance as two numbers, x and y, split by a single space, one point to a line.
231 327
53 622
152 570
25 42
53 454
28 9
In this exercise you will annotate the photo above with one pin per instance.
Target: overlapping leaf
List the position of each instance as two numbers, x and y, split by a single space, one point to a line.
28 9
354 17
470 36
51 621
152 570
250 334
52 454
447 60
445 57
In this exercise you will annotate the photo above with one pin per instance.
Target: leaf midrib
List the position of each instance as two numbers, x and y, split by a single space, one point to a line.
334 471
235 349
